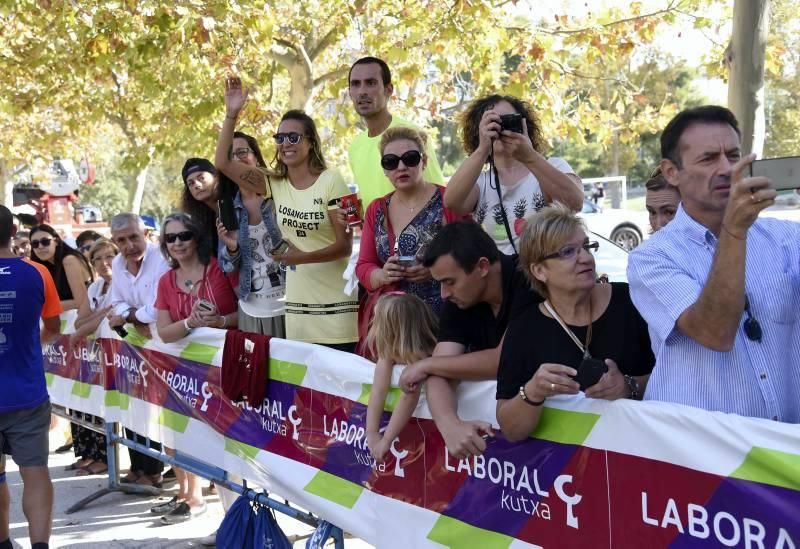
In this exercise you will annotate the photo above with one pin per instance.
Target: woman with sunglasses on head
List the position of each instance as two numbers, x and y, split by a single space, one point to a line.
90 446
246 249
527 180
585 330
69 268
315 248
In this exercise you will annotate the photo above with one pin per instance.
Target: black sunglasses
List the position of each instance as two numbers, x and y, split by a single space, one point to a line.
183 236
752 329
292 137
45 242
392 161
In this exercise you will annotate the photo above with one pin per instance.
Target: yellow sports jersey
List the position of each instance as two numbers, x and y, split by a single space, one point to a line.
365 162
317 309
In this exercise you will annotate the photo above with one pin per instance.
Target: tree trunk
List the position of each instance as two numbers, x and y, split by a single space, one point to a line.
138 191
301 86
745 60
6 186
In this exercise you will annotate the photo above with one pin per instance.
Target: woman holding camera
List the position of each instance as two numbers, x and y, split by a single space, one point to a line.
584 330
503 128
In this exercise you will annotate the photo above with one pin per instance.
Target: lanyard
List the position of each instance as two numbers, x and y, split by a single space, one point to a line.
584 347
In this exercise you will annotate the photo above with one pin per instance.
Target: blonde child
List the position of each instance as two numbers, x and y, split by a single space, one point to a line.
402 331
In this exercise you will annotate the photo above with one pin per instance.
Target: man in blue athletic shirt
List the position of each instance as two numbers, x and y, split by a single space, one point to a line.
27 293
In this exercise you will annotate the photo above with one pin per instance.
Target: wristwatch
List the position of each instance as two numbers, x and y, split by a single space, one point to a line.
633 387
525 398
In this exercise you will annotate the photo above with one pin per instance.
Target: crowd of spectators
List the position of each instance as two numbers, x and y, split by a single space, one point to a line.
492 277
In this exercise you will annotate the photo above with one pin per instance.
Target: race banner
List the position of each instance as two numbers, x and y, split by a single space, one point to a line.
593 474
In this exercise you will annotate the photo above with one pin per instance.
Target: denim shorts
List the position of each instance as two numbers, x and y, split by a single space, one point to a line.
24 435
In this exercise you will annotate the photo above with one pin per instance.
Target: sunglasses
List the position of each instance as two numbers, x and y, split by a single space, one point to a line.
752 329
86 247
292 137
183 236
45 242
410 159
568 252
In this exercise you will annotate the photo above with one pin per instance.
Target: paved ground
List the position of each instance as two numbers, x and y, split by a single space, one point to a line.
119 520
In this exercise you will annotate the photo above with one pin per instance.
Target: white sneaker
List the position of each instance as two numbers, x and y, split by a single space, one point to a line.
209 541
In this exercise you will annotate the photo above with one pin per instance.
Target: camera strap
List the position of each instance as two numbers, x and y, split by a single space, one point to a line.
496 186
584 347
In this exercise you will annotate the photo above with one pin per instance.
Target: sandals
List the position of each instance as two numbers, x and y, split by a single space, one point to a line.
94 468
150 480
80 464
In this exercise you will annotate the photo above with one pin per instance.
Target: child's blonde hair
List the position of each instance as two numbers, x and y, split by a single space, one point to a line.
402 330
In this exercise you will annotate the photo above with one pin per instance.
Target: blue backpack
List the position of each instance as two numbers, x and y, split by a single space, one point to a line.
250 526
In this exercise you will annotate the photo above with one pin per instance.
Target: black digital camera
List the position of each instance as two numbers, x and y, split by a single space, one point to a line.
511 122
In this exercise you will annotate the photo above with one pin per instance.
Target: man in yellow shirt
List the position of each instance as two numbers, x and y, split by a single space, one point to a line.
370 85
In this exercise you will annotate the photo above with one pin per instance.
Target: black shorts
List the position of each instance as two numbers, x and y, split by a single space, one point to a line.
24 434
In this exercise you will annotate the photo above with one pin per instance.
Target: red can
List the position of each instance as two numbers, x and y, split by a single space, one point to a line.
350 204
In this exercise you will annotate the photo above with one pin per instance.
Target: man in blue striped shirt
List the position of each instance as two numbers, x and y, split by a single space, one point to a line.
718 287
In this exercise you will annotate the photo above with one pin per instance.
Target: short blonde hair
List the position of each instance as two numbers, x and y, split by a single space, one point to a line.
101 244
544 233
403 329
403 132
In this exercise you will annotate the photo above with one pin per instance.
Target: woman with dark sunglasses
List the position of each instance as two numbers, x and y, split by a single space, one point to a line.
312 247
398 226
195 292
69 268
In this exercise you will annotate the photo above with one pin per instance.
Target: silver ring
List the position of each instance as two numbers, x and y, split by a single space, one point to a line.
552 386
753 198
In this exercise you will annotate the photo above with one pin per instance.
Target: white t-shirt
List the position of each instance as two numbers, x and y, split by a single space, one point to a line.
97 299
267 291
520 200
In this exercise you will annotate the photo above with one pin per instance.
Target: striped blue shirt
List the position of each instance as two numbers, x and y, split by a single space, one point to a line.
758 379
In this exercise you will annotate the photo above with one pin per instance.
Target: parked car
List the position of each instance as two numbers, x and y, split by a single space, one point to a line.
610 259
625 228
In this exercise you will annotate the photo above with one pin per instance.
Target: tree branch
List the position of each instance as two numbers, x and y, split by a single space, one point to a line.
324 43
283 57
333 75
669 8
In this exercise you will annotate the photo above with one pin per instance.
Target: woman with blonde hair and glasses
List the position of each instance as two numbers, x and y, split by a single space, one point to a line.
586 336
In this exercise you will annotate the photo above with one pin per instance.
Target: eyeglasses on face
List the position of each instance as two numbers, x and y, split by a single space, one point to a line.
410 159
568 252
292 137
44 242
183 236
241 153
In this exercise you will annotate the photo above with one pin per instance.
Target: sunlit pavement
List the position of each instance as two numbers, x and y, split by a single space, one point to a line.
119 520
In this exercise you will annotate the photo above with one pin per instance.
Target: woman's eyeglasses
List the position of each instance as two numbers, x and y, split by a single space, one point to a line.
241 153
292 137
752 329
44 242
410 159
183 236
568 252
